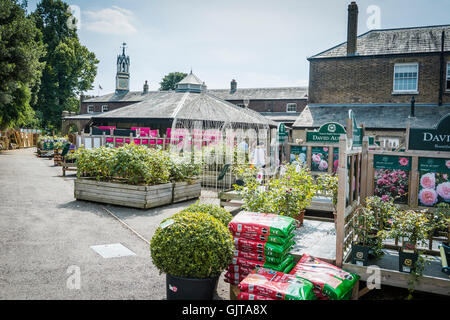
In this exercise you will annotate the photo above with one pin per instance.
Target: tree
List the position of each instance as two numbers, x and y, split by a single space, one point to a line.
21 48
70 67
170 80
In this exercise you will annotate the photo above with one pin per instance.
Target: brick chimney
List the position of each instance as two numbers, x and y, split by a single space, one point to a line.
145 87
352 28
233 86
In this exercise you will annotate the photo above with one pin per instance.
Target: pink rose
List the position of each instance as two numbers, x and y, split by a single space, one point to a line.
443 189
403 161
385 197
447 163
445 176
325 149
428 197
323 165
316 158
428 181
401 191
335 163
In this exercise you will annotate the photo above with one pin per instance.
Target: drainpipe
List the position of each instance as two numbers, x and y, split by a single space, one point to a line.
441 70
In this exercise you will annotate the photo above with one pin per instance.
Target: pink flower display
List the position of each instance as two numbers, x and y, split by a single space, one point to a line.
443 190
403 161
389 183
428 181
385 197
428 197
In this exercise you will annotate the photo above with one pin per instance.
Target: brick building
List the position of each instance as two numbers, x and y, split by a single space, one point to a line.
376 74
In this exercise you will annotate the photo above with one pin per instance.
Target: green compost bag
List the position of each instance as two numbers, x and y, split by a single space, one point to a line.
264 248
277 285
262 224
264 238
330 282
252 264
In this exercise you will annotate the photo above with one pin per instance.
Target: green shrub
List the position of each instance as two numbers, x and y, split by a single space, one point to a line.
183 168
132 163
214 210
192 245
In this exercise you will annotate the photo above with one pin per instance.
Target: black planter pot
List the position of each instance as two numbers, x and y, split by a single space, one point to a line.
407 261
178 288
360 254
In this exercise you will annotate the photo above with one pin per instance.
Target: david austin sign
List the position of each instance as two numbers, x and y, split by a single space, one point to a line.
435 139
329 133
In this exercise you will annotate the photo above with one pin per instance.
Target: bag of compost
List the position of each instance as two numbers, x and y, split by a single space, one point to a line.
249 296
264 248
259 257
264 238
277 285
262 224
329 281
252 264
235 268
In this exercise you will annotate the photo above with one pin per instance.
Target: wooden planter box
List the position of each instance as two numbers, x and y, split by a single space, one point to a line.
123 194
183 191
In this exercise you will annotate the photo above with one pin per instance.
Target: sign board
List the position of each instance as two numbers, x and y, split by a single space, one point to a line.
434 165
391 162
356 132
282 130
434 139
329 133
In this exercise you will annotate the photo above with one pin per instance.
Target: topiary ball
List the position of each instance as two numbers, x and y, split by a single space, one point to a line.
192 245
216 211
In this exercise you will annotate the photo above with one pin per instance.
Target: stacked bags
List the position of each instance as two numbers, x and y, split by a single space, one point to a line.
330 282
266 284
261 240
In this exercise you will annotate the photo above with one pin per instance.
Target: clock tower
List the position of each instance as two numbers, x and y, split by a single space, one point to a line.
123 72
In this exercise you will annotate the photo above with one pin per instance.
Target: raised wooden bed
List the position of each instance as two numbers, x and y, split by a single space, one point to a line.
123 194
183 191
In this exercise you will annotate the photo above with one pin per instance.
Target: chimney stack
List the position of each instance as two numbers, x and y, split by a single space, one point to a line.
145 87
352 28
233 86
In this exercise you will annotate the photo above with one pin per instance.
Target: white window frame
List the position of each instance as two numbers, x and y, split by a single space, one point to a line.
105 106
90 108
416 64
447 78
291 104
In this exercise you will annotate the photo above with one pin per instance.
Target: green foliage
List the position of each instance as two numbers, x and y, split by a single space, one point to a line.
183 168
194 245
287 195
70 67
21 48
328 184
214 210
169 81
131 163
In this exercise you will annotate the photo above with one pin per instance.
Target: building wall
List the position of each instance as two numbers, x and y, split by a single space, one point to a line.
272 105
370 80
98 105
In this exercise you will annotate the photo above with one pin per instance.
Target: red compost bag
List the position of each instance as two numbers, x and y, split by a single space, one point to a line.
277 285
252 264
233 278
264 248
262 224
264 238
259 257
329 281
235 268
249 296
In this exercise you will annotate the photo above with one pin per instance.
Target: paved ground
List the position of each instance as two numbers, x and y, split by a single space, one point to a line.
44 231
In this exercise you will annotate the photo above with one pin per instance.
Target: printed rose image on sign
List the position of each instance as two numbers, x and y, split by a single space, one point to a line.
434 186
335 159
319 159
391 177
298 154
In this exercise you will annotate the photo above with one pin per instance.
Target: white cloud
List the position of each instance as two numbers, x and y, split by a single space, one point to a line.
115 20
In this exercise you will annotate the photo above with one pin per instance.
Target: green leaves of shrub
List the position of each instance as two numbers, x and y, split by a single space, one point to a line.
214 210
195 245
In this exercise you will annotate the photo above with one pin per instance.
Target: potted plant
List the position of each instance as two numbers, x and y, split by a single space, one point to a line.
413 228
192 248
328 184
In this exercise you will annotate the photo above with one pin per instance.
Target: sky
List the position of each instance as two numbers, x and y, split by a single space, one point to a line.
259 43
